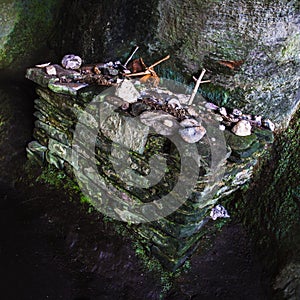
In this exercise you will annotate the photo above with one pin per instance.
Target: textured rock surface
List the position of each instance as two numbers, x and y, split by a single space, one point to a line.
170 239
25 27
251 48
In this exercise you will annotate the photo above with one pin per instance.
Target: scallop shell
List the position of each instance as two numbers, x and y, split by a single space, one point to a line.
192 132
174 103
71 61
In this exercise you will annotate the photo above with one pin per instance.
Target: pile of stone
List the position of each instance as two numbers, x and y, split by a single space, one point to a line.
163 118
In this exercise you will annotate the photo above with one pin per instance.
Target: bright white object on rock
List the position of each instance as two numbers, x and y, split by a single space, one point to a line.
127 91
71 61
242 128
219 212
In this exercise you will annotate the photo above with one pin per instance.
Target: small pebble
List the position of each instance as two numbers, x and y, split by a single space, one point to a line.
50 70
242 128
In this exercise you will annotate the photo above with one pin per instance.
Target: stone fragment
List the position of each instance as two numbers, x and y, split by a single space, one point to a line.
174 103
36 150
128 132
158 120
39 76
242 128
192 112
50 70
66 88
183 98
212 106
127 91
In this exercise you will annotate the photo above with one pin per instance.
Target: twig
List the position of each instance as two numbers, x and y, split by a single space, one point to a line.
130 57
204 81
160 61
148 70
196 87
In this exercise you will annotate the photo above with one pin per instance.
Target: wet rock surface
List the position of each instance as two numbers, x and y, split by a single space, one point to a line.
52 248
249 48
25 29
171 239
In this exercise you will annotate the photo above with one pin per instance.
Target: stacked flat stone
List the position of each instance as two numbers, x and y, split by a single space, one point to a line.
173 238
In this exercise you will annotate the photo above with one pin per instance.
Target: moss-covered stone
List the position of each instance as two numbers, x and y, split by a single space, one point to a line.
270 208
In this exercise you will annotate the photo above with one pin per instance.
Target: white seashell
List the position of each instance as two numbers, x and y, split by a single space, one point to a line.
192 132
174 103
236 112
43 65
242 128
222 127
268 124
211 106
222 111
50 70
71 61
258 120
219 212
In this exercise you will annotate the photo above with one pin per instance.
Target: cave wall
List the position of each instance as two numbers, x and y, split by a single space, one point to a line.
264 36
25 29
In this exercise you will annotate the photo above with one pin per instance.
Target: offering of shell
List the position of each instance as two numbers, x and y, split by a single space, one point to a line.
71 61
192 131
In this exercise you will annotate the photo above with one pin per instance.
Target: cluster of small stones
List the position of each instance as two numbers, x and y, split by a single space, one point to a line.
63 93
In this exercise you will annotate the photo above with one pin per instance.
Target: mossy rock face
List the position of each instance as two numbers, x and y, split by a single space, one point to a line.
25 27
239 142
270 207
250 48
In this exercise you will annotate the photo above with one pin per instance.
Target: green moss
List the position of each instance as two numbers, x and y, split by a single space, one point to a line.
31 25
270 208
57 179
